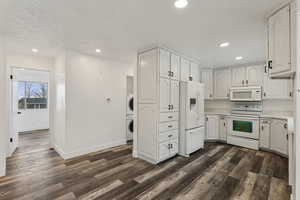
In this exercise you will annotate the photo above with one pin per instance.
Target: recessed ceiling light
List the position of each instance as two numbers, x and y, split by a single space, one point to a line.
98 50
239 58
181 3
224 44
34 50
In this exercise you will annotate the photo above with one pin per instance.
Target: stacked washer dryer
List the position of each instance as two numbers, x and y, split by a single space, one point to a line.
129 118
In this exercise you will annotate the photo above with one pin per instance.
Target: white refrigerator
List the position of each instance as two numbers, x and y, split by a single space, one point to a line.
192 117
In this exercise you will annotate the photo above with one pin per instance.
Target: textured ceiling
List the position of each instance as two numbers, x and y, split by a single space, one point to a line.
121 27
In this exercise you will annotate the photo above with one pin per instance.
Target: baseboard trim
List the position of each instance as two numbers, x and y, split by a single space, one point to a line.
68 155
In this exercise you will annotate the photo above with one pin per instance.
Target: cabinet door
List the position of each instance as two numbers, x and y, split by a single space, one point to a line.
279 41
164 150
212 127
223 129
175 63
147 77
173 147
255 75
174 98
238 76
147 130
279 141
164 94
222 84
277 88
164 63
207 79
184 69
264 141
195 72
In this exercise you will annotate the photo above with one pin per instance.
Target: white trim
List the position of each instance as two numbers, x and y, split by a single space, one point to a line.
68 155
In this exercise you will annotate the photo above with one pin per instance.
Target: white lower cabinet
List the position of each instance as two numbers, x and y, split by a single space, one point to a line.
212 127
168 145
279 136
265 129
223 128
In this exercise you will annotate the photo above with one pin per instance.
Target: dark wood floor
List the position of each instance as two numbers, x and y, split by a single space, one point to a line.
218 172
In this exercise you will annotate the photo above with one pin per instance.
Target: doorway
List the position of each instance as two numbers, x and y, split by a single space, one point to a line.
29 110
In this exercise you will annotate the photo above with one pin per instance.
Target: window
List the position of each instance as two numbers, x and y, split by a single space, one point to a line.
32 95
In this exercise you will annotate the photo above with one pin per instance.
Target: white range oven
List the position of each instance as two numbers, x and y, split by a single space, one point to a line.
244 126
248 94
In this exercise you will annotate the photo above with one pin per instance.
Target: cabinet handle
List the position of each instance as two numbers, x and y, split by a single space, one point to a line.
172 74
270 62
169 107
190 78
169 73
169 136
247 82
291 94
170 117
243 82
262 128
285 126
169 146
172 107
265 94
224 124
266 69
287 136
170 126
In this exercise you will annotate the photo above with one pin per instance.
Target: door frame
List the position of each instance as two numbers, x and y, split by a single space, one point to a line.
11 124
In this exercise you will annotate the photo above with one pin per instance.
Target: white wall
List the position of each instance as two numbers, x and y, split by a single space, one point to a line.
58 124
3 111
91 100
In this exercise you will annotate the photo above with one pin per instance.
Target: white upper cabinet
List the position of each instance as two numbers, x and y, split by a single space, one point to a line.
175 66
207 79
184 69
255 75
238 76
195 72
222 84
279 31
164 63
247 76
174 97
277 88
165 85
147 91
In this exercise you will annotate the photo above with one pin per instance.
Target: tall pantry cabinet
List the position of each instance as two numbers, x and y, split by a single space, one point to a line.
158 105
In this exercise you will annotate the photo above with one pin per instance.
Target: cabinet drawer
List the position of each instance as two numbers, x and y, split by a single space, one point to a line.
169 135
168 126
166 117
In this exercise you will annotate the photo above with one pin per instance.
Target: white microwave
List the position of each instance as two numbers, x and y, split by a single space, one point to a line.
246 94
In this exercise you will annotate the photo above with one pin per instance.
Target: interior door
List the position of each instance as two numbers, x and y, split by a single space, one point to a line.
14 133
175 63
164 95
164 66
174 98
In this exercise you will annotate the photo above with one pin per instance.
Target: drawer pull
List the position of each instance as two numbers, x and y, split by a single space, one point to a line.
169 136
170 126
170 117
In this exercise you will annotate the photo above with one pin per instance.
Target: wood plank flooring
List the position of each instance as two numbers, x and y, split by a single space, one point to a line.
219 172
